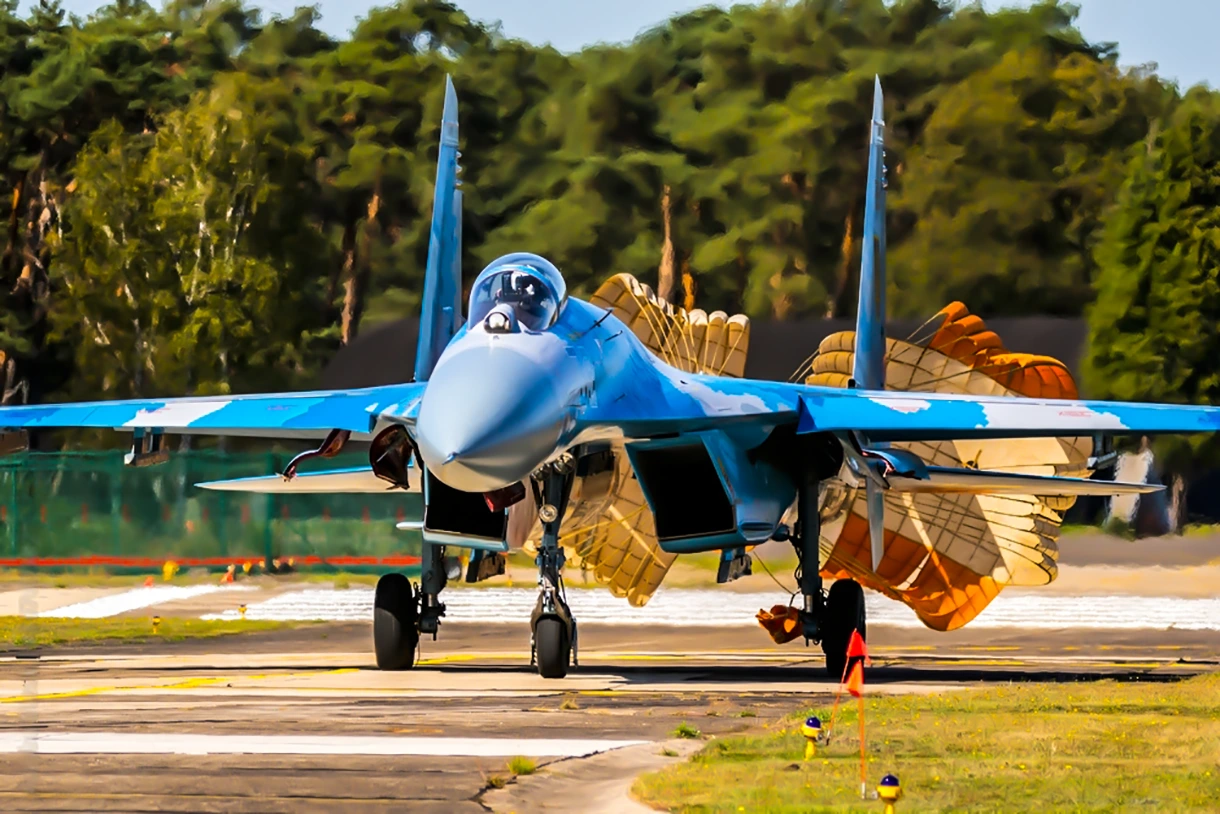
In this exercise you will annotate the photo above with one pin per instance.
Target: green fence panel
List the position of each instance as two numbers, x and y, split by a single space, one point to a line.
77 505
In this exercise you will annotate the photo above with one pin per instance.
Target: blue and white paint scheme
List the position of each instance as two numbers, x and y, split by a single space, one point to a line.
532 383
499 396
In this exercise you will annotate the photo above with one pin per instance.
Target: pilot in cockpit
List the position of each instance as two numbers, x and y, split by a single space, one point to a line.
527 289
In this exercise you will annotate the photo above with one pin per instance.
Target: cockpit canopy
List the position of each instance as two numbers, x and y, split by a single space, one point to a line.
530 286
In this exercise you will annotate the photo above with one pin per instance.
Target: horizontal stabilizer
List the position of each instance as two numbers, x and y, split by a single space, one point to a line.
359 480
981 482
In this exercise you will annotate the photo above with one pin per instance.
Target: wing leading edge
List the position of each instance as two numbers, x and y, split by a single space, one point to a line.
272 415
899 416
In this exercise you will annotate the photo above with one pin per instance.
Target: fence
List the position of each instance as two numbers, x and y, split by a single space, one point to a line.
88 508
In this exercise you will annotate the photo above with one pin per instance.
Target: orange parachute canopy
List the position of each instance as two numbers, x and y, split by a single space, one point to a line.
948 556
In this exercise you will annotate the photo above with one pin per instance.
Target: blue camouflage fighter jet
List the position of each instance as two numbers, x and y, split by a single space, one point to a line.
534 390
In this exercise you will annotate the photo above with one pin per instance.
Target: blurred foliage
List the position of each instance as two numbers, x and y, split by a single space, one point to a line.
198 199
1153 324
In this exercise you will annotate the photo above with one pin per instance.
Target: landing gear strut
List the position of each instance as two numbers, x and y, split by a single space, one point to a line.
433 578
552 627
826 618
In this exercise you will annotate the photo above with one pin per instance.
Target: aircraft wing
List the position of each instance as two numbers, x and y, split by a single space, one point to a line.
692 403
899 416
271 415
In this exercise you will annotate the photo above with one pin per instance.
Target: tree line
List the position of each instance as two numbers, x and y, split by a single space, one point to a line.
198 199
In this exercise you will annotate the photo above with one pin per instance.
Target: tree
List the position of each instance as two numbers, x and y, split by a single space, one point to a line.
1152 329
1000 200
181 270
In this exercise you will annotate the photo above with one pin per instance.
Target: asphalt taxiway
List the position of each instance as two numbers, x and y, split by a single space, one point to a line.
299 720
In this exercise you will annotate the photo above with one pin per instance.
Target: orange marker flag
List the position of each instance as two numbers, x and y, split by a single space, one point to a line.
857 649
857 654
855 681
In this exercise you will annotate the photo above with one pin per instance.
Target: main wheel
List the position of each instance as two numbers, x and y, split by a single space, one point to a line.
552 648
395 613
844 613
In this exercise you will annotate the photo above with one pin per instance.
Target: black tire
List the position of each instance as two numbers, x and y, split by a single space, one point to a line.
395 613
844 613
552 648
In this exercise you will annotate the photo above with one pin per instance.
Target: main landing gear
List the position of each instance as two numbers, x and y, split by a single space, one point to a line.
552 626
826 618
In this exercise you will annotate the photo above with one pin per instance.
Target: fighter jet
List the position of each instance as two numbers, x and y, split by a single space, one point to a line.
528 394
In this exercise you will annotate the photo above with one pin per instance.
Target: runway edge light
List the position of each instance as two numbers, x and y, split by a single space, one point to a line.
812 730
889 791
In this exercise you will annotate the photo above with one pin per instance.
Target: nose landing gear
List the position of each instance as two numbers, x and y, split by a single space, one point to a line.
553 644
402 612
395 623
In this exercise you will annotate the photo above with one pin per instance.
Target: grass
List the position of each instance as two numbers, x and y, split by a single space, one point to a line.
23 631
1102 746
341 580
685 730
95 578
521 765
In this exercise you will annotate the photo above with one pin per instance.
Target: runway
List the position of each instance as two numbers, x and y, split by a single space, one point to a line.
299 721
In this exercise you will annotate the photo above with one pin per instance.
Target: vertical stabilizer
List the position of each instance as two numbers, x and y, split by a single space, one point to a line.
869 369
869 363
440 314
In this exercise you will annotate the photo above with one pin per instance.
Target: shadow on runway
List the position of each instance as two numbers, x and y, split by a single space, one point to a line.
784 675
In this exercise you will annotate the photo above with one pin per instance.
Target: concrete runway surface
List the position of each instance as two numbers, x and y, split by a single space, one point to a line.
298 720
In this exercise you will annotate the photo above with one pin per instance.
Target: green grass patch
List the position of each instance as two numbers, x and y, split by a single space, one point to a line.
1101 746
96 578
340 580
23 631
521 765
685 730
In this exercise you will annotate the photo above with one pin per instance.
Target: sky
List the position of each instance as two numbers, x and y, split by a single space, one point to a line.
1178 35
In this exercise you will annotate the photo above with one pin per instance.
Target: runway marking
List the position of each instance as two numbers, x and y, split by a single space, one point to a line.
135 599
162 743
126 796
686 607
187 684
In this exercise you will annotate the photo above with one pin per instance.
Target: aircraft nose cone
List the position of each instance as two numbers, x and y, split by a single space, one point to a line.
489 417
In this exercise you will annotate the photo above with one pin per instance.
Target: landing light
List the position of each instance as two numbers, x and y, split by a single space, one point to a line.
498 322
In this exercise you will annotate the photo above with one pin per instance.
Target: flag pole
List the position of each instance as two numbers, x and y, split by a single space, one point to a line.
863 760
835 709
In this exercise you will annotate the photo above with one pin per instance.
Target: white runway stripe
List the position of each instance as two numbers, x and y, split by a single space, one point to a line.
135 599
711 608
129 743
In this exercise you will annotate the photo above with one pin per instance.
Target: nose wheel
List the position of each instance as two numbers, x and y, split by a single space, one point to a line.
553 634
395 623
552 627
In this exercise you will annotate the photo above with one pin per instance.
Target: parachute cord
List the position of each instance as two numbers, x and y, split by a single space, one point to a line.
782 586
